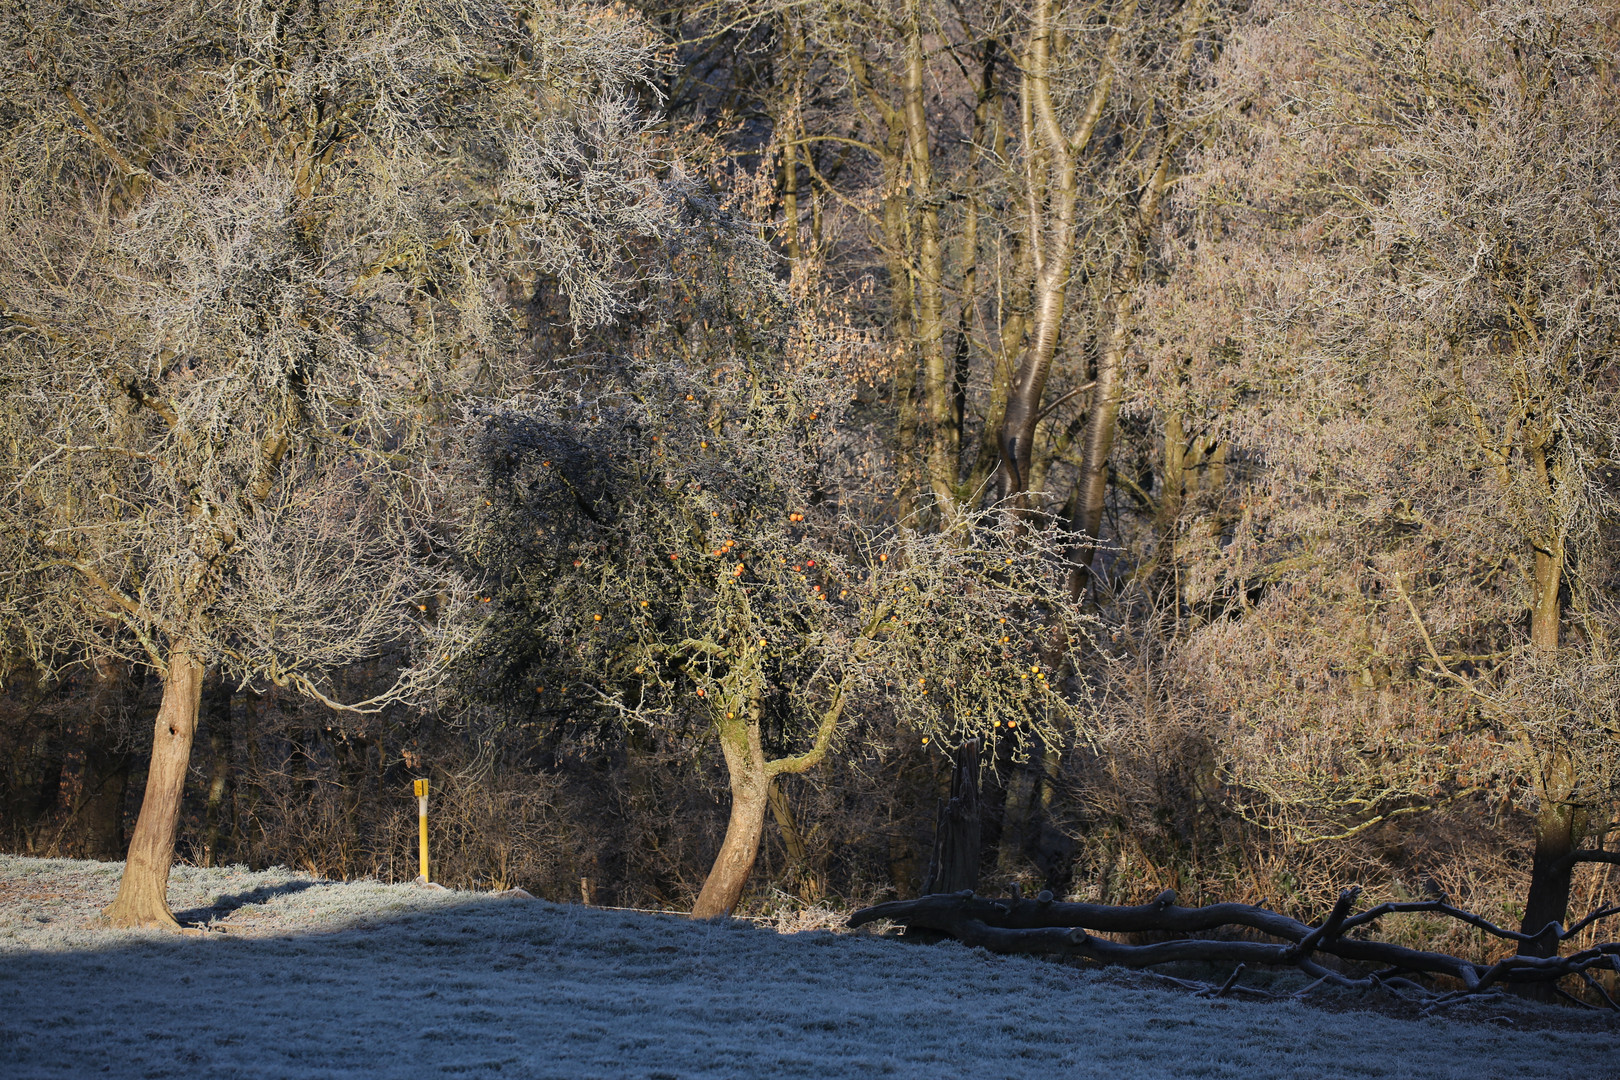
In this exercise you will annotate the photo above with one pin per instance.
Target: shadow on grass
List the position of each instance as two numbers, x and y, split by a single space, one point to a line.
227 904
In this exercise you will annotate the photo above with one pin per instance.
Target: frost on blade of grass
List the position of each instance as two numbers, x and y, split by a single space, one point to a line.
300 977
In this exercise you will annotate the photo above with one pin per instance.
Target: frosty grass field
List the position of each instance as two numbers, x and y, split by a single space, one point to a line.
301 978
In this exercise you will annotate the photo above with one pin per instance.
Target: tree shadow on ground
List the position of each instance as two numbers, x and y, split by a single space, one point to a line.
231 902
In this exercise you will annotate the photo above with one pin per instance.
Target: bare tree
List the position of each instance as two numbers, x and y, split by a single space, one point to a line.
1395 273
1499 229
1014 165
252 257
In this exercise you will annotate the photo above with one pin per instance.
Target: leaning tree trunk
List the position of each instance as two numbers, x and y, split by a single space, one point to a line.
750 787
143 890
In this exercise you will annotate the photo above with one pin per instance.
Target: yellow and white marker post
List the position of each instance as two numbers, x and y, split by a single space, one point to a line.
421 820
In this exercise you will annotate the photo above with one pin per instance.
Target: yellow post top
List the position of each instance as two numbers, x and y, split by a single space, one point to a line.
421 789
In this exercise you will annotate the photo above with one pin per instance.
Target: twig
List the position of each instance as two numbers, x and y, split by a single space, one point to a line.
1434 654
1600 913
1463 997
1372 914
1604 994
1226 987
1567 996
1300 995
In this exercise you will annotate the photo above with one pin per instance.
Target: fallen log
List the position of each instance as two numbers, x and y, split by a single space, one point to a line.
1044 926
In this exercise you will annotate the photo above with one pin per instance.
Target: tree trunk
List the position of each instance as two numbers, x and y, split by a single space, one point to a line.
100 831
143 890
994 437
794 47
101 820
1546 612
955 865
792 840
90 799
895 240
1551 872
1015 816
1557 833
219 745
745 768
1051 197
1173 491
1091 488
962 353
942 439
1042 926
1051 241
902 864
807 880
905 361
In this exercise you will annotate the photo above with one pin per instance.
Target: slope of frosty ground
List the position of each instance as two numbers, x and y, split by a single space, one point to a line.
302 978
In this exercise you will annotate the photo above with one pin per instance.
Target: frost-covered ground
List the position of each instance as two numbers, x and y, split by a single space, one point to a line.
301 978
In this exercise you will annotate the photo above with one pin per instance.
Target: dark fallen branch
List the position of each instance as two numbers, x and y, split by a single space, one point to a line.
1043 926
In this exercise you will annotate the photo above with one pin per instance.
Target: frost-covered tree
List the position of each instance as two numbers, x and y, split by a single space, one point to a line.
251 257
1500 230
1393 296
670 541
997 169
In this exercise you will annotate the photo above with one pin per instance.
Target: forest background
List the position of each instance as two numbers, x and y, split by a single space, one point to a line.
1210 407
